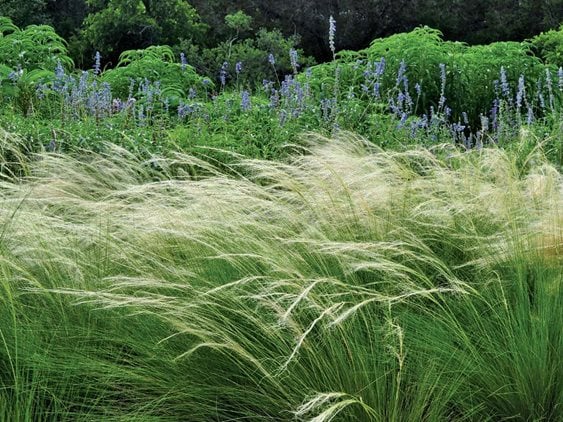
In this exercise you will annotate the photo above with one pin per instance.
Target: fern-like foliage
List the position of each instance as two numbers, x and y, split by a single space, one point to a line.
7 27
35 47
154 52
153 64
549 46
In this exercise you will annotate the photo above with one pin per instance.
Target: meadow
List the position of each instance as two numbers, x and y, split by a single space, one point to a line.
377 238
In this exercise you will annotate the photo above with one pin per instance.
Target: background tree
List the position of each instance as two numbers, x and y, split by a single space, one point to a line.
66 15
34 12
114 26
358 21
481 21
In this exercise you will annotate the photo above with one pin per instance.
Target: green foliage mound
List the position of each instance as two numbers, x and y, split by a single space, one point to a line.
28 57
115 26
35 47
549 46
153 64
470 70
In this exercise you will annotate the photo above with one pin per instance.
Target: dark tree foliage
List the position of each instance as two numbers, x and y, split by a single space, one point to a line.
113 26
34 12
483 21
360 21
66 15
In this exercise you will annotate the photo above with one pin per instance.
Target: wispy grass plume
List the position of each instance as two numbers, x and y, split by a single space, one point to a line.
346 283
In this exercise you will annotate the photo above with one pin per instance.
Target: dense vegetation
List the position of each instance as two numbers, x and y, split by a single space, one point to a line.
131 24
348 282
192 232
154 99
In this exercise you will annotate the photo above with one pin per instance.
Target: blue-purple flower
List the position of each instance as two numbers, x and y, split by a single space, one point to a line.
245 104
331 34
401 72
223 73
520 94
97 63
505 89
293 59
442 100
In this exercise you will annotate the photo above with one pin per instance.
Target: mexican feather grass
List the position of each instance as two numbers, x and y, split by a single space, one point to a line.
347 283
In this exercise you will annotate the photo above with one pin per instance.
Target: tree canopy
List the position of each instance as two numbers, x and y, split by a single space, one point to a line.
113 26
118 25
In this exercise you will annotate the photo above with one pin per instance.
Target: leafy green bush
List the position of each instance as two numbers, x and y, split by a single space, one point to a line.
470 71
28 57
155 64
253 55
35 47
549 46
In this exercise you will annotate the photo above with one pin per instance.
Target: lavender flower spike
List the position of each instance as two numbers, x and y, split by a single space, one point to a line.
223 73
245 101
521 93
293 59
505 89
331 34
97 63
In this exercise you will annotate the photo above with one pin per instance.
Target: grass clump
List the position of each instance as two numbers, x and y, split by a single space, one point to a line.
346 283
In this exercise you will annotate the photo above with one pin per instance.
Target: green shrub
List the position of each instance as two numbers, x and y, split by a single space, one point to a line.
28 57
470 70
549 46
35 47
155 64
253 54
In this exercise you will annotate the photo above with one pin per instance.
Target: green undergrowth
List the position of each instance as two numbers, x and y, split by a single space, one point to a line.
345 283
